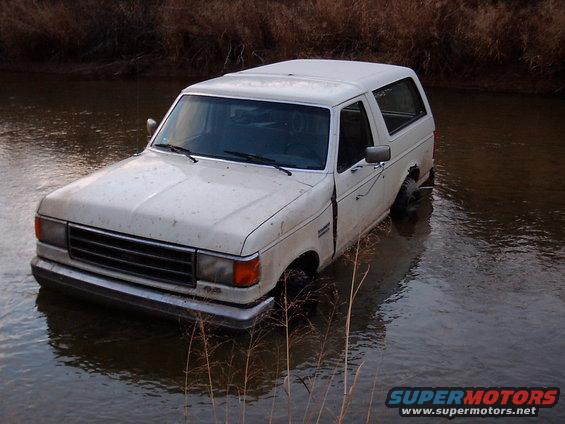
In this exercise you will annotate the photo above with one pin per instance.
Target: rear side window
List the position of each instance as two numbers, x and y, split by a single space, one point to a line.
400 104
354 136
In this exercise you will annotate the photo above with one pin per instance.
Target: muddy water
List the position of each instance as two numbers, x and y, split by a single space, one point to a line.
470 292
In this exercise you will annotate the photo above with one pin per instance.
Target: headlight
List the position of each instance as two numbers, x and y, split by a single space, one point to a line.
219 269
51 231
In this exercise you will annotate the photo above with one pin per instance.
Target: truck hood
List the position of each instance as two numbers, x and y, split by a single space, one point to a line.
212 205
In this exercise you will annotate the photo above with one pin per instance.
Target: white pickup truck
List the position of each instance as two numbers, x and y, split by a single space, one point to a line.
248 176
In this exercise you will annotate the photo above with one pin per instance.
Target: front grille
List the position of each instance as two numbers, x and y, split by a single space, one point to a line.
132 255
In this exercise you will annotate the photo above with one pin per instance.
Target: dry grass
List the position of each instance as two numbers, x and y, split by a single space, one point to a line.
76 30
436 37
243 362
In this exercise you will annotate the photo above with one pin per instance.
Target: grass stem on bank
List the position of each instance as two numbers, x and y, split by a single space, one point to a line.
440 39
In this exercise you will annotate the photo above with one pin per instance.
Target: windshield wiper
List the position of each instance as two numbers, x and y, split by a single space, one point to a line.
258 159
178 149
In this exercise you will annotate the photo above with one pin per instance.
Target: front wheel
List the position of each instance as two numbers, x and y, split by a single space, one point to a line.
296 284
406 198
295 295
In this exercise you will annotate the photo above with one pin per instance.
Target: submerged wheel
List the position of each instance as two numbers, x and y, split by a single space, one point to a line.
296 283
405 199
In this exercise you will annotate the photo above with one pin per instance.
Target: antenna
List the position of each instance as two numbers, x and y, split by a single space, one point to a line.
137 54
137 104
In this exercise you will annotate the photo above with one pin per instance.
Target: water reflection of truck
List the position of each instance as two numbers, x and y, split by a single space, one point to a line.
153 352
253 180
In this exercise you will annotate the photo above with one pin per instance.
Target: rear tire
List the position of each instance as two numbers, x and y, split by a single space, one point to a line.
431 181
405 199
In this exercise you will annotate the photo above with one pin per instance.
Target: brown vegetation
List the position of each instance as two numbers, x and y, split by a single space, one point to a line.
264 358
439 38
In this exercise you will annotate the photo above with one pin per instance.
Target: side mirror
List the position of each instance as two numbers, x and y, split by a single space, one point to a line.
376 154
151 127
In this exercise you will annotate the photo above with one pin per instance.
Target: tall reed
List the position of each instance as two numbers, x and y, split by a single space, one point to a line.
440 38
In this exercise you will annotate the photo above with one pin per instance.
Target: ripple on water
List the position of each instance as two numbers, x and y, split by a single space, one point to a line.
468 292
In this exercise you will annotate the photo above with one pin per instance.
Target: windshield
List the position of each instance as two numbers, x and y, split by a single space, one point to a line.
288 135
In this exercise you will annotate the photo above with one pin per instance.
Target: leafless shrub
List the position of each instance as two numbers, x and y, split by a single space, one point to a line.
39 28
544 46
244 358
76 30
436 37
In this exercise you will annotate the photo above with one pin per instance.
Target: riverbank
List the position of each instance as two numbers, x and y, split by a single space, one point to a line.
502 81
512 46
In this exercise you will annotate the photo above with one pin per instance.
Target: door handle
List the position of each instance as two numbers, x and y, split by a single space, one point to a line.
379 165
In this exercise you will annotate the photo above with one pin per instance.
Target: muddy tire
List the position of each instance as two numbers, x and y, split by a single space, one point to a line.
431 181
405 199
298 284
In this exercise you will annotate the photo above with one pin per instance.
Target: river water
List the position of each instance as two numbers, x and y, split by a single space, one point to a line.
469 292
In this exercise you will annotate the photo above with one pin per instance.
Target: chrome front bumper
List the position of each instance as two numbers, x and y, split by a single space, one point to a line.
144 299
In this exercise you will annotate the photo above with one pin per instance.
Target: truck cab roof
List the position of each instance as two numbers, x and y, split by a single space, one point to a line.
310 81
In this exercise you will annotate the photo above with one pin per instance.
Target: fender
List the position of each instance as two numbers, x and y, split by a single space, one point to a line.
413 170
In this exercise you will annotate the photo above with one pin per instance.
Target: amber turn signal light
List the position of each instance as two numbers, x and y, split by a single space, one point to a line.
37 228
246 273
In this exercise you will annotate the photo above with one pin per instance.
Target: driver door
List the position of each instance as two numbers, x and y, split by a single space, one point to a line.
357 188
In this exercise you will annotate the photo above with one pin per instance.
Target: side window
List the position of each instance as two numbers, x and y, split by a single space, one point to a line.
354 136
400 104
